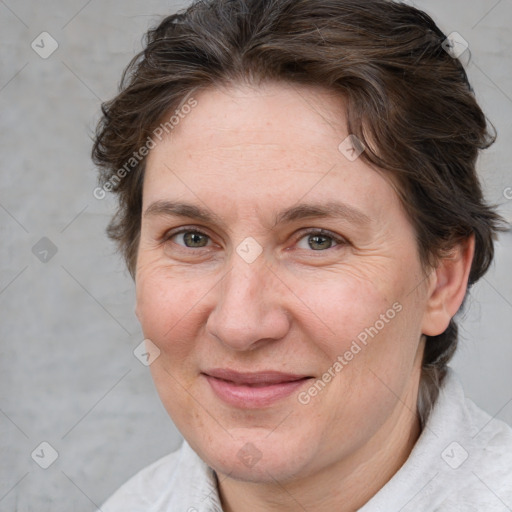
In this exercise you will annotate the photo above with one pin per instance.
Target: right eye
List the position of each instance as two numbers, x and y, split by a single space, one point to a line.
190 238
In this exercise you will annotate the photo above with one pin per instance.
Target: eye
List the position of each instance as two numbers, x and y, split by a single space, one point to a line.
321 240
316 239
191 238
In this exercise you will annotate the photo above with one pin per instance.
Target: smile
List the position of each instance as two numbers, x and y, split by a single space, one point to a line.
253 390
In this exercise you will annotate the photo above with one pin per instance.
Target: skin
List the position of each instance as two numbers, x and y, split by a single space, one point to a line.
245 153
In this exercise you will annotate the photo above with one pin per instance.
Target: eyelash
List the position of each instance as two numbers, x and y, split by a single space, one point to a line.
311 231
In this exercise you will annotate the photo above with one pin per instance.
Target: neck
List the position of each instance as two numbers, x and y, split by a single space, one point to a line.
344 486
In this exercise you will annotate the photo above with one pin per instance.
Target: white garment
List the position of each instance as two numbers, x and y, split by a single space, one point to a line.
462 462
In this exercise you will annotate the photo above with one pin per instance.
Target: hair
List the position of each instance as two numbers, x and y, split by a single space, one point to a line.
408 100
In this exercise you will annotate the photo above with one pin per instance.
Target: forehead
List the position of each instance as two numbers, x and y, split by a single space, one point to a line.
277 114
261 146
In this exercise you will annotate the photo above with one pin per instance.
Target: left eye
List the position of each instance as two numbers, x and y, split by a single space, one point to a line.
319 240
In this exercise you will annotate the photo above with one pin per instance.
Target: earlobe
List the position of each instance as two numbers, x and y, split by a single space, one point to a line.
449 282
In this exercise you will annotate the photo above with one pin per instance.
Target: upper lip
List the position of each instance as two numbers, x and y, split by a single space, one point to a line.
263 377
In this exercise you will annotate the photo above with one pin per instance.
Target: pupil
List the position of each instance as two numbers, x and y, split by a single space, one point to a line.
315 239
193 238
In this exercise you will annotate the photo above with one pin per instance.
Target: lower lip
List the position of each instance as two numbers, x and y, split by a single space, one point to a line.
251 397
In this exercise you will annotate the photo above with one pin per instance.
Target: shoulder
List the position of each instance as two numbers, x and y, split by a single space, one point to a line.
481 466
178 481
462 461
475 463
144 489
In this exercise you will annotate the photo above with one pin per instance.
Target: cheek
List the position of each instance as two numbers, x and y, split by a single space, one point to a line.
370 327
369 356
344 307
166 308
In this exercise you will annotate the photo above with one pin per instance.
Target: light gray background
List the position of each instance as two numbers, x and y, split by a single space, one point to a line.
67 372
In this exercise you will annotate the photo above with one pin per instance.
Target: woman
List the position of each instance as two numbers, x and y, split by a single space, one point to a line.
299 208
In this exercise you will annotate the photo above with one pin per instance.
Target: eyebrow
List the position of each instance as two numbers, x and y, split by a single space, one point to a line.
301 211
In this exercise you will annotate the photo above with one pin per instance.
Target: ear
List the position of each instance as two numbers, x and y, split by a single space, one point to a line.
447 288
137 308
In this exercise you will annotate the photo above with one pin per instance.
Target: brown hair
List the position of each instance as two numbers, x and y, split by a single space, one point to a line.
408 101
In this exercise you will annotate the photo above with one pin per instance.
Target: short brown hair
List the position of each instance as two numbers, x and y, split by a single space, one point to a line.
408 100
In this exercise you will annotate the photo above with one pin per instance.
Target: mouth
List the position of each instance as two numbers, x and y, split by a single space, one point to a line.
253 390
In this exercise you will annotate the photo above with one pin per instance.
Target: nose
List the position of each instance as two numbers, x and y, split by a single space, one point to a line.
249 308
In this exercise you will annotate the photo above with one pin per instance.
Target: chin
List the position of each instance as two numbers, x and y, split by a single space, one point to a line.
256 459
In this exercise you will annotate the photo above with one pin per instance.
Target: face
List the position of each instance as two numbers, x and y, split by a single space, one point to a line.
288 316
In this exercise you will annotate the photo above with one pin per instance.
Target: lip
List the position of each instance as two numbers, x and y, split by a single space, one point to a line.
253 390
